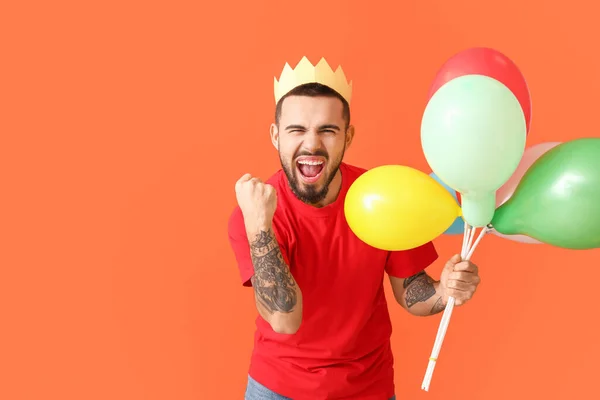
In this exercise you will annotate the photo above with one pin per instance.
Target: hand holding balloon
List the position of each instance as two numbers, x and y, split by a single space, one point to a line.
473 135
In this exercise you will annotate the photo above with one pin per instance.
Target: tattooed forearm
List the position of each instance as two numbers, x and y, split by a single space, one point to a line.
438 306
419 288
273 282
419 294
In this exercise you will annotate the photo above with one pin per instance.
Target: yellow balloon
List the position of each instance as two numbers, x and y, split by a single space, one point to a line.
395 207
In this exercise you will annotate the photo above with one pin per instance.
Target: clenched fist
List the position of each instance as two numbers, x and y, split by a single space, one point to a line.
257 200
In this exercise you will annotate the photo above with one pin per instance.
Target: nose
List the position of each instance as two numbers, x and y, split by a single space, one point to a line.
312 141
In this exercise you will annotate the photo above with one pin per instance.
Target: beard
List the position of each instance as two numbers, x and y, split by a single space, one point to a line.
310 194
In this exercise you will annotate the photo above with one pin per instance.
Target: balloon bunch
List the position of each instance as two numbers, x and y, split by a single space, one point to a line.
473 133
551 198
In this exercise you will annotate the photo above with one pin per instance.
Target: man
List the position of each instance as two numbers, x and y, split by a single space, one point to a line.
323 330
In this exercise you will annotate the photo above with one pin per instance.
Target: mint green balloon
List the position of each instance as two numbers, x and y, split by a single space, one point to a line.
473 135
558 199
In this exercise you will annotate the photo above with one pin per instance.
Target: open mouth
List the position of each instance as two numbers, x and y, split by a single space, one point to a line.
310 168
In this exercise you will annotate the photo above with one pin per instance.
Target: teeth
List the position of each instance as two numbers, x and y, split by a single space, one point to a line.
310 162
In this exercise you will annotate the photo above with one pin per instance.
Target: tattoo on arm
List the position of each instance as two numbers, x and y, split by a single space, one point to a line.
438 306
419 288
273 283
411 279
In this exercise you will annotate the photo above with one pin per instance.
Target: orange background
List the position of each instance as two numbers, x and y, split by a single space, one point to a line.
125 125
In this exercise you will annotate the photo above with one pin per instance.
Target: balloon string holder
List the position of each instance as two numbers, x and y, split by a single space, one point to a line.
468 248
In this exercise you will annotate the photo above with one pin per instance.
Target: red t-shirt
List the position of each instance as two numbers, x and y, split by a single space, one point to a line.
342 348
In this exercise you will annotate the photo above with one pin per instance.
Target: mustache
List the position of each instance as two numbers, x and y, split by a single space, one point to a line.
318 153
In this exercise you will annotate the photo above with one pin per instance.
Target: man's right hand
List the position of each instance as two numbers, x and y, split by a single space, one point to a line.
257 200
278 296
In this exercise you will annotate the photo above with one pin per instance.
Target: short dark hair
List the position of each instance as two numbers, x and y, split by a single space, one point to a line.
314 90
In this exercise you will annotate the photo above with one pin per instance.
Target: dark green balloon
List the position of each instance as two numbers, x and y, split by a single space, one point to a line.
558 199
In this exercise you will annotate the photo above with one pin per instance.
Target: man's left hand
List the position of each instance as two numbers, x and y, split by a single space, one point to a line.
459 280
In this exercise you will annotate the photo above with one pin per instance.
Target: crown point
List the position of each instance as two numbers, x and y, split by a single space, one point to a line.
287 67
340 71
304 61
322 64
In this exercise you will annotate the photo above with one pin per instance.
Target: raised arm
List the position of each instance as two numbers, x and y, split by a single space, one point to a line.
278 297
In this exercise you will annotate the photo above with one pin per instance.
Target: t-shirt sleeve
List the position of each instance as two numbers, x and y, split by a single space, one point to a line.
406 263
238 239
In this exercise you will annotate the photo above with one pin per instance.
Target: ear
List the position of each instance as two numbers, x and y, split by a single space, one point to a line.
349 136
275 136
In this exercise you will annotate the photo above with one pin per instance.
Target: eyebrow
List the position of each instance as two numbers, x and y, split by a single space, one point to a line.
322 127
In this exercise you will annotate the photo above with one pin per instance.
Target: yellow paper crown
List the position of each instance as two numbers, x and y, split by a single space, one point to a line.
305 72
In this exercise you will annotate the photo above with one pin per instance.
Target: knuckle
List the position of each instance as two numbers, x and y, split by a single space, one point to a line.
244 178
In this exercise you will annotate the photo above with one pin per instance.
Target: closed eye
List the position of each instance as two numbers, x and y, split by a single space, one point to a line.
329 128
295 128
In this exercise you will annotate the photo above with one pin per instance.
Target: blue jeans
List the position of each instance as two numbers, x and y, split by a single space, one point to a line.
256 391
